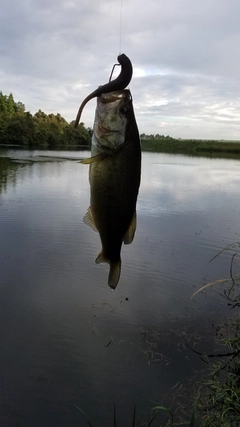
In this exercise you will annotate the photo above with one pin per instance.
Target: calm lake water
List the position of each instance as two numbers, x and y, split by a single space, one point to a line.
67 339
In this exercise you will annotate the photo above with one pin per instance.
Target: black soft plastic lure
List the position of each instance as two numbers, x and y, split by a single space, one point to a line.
120 83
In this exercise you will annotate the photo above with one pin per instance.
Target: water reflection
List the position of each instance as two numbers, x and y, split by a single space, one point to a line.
178 185
7 173
57 314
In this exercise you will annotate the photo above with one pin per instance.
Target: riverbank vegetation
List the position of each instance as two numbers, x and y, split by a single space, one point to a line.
220 397
221 405
166 144
20 127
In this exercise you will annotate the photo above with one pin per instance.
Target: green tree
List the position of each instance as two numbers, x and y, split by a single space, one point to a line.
20 108
3 103
11 106
19 127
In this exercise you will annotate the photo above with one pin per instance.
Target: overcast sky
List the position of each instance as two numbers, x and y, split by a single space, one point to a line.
185 56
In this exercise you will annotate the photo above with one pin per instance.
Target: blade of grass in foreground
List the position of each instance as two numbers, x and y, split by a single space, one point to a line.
150 422
207 285
195 406
163 408
225 249
89 421
134 416
114 416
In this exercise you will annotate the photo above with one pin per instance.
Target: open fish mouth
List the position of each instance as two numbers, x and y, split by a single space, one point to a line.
110 119
113 96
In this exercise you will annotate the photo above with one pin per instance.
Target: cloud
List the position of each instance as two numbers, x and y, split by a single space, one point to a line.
186 66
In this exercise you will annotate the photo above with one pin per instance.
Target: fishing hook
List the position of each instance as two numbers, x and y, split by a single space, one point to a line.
115 65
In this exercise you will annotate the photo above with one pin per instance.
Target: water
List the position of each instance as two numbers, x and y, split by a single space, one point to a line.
67 340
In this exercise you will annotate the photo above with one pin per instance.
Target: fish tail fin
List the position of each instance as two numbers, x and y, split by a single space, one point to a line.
115 270
114 274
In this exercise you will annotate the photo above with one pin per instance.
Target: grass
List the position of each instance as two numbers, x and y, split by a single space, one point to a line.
222 405
132 423
153 416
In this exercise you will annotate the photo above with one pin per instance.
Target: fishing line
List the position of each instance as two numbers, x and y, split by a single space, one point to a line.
120 39
120 29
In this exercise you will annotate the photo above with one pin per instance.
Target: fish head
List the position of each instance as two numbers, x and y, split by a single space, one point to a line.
111 118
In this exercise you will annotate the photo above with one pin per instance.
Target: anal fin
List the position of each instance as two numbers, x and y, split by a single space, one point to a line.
129 235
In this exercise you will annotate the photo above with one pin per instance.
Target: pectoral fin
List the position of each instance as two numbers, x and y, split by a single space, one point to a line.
115 270
92 159
129 235
88 219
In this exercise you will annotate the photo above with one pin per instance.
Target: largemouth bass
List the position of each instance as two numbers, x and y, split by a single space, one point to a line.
114 176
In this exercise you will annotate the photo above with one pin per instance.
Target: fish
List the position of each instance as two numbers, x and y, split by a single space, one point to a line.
114 176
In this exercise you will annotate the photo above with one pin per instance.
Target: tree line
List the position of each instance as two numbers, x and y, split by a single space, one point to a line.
20 127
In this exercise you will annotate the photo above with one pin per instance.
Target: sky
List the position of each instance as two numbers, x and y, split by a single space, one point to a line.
185 56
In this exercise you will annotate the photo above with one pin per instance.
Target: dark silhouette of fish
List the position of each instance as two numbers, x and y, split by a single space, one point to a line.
115 170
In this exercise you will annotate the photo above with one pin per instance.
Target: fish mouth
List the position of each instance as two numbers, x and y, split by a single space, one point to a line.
110 120
115 96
